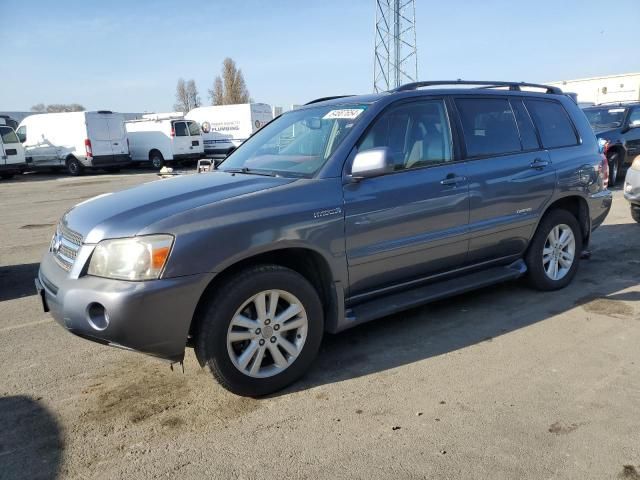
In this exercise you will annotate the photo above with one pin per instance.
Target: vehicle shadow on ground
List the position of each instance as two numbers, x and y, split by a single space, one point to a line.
16 281
466 320
31 442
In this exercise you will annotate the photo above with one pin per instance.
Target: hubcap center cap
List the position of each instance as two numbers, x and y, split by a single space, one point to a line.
267 332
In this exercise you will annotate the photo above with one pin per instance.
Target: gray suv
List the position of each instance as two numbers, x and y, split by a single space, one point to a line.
340 212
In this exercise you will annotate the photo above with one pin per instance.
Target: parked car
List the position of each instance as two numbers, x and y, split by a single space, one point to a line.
617 127
377 204
7 120
225 127
164 138
75 141
632 188
12 159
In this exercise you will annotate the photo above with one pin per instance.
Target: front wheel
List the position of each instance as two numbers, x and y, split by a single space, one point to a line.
614 169
554 252
260 331
157 160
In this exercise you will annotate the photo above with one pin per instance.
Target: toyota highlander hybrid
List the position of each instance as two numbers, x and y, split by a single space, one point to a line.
345 210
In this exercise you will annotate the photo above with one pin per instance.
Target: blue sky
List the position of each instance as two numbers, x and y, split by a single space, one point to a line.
128 55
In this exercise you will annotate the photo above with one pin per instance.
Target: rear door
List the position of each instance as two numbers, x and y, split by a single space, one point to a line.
511 177
181 139
413 222
98 132
118 135
12 149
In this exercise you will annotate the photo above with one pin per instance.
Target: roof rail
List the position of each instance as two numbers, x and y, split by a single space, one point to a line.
484 84
324 99
618 103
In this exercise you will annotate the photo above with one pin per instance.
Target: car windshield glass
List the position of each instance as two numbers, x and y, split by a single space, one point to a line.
297 143
606 117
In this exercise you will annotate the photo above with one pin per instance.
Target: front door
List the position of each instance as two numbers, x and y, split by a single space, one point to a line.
181 140
412 222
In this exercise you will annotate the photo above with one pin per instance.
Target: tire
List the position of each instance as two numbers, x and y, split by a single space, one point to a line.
222 355
635 213
540 274
157 160
614 169
6 176
74 167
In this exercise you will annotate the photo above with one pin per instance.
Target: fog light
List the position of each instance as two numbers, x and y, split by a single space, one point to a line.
97 316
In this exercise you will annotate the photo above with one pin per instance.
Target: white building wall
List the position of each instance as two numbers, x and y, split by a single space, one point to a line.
611 88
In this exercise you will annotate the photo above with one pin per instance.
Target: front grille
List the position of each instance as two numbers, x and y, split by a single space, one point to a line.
65 246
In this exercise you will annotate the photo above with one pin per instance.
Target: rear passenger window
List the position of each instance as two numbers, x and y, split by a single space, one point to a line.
489 126
525 126
181 129
194 129
553 123
417 135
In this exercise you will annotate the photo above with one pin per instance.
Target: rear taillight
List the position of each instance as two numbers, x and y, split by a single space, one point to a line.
173 132
87 148
603 171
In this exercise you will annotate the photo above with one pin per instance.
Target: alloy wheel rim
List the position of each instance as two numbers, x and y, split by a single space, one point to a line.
267 333
559 252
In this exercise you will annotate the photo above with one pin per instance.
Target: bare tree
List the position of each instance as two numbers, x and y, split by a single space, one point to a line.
187 97
230 88
57 108
192 94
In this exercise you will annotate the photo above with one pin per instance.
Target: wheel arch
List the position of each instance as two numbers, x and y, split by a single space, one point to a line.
154 150
578 207
307 262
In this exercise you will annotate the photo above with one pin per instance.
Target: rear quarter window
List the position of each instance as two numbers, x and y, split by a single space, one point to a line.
553 122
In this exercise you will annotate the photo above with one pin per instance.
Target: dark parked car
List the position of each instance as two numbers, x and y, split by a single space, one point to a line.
345 210
617 126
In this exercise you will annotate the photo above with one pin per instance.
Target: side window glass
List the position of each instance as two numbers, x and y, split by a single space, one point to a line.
8 135
634 117
194 129
553 123
181 129
22 133
489 126
417 134
525 126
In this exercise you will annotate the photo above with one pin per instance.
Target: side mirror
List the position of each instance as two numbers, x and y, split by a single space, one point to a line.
371 163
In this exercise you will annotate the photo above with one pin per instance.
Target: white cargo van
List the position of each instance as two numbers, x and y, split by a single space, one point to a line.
224 127
75 140
164 137
12 159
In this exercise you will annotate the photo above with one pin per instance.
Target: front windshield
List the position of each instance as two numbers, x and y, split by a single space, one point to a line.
296 144
605 117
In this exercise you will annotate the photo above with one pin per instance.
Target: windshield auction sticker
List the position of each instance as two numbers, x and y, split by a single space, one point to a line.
343 113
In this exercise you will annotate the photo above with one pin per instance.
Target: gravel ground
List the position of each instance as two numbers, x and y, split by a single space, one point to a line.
503 383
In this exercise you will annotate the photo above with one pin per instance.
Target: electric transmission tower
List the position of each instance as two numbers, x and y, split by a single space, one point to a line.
396 52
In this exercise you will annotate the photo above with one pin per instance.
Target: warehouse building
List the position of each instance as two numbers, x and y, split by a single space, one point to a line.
606 89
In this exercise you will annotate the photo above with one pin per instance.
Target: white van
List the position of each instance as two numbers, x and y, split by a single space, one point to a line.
164 137
12 159
225 127
75 141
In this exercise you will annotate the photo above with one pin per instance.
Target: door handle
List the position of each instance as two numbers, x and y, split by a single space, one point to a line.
539 163
115 143
452 179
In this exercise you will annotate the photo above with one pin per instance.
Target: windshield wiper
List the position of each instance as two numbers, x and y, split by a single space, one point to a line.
250 171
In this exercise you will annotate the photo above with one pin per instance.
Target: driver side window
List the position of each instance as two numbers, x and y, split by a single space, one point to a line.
417 135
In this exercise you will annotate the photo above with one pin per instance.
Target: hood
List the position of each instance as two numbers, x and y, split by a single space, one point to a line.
125 213
604 131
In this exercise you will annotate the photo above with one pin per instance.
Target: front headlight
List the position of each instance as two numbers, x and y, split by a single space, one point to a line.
636 163
138 258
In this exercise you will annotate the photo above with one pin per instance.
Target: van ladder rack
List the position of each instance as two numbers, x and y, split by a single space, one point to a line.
483 84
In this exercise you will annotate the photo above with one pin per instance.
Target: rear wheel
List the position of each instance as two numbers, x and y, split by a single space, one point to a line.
157 160
614 168
261 330
554 252
74 167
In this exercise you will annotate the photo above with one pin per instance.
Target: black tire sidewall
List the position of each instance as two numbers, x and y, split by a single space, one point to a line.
74 167
614 161
211 342
536 274
160 161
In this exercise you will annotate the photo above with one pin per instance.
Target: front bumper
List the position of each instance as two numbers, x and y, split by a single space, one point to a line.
632 186
599 206
152 317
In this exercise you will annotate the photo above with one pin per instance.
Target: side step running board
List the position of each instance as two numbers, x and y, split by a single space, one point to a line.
397 302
